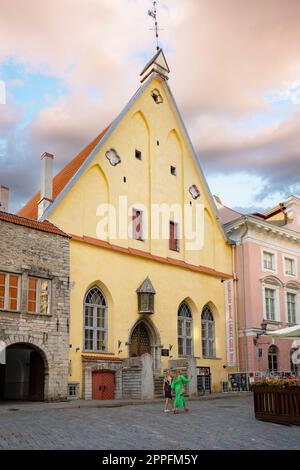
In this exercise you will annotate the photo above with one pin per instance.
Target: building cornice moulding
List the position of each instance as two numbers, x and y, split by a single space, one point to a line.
254 223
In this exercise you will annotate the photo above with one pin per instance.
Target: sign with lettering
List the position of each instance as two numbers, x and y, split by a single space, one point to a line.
165 352
230 323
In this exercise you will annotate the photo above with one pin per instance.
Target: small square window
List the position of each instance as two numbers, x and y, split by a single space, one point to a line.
138 154
73 390
173 170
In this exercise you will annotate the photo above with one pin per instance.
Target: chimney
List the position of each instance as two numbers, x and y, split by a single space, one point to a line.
46 184
4 196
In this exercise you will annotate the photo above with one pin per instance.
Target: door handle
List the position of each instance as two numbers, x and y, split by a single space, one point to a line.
100 388
104 388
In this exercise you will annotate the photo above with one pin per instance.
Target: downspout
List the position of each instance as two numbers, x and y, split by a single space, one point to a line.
244 297
235 306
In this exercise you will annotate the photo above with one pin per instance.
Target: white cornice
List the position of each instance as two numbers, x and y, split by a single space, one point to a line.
261 225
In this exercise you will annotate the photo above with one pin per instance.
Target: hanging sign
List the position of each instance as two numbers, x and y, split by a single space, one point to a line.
230 324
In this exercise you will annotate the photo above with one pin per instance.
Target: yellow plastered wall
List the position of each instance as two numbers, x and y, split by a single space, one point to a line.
123 274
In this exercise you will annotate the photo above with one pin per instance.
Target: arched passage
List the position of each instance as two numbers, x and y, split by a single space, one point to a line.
145 338
23 375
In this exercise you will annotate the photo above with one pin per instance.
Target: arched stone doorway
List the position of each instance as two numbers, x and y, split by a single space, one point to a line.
140 341
23 375
145 338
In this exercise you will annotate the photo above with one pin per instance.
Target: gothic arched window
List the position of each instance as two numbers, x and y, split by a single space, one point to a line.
208 332
95 321
185 330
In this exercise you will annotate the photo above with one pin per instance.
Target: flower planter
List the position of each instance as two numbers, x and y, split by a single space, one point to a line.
277 404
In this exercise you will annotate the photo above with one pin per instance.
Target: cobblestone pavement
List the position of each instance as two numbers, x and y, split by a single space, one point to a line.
215 424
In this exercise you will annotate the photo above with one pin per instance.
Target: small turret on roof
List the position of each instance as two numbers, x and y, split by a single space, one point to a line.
158 64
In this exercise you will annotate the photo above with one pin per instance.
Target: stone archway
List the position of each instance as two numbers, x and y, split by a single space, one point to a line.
145 338
23 377
34 343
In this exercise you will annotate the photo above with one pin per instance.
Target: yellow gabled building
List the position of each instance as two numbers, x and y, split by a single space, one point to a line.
133 292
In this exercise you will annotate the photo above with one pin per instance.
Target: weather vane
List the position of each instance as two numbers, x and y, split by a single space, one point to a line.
153 14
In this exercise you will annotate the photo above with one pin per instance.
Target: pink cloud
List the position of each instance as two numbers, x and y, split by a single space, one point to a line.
224 57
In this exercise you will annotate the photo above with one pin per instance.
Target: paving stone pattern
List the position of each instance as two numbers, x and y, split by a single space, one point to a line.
214 424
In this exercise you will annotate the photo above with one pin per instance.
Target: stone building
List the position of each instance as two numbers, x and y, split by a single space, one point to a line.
34 309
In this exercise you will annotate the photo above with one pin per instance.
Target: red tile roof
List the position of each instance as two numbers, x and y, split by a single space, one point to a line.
227 214
62 178
44 226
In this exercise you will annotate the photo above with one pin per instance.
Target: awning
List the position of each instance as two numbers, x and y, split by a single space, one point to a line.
290 332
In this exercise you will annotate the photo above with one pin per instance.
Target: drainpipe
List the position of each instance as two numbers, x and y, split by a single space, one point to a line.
244 296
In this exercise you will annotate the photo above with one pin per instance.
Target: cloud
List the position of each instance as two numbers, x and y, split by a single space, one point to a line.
9 117
225 57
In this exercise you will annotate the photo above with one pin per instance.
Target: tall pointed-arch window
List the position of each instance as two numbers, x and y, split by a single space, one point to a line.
95 321
208 332
185 330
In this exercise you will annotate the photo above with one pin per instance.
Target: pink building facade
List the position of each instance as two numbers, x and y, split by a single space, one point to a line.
266 254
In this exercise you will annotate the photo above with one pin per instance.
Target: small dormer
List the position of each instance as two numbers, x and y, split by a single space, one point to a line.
158 64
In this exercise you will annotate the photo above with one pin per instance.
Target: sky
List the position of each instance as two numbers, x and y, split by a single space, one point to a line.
70 66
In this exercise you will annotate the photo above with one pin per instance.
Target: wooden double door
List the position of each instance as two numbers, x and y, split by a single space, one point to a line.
103 385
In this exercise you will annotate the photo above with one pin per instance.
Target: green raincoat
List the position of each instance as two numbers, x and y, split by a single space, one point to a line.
178 386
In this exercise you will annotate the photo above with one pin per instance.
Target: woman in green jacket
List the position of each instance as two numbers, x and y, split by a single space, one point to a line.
178 387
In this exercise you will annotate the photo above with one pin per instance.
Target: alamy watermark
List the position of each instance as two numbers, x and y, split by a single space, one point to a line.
2 92
160 222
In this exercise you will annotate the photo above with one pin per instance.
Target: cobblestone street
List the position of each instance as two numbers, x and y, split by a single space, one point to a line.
215 424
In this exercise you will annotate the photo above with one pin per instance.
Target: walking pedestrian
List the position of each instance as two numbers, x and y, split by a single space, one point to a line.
167 390
178 386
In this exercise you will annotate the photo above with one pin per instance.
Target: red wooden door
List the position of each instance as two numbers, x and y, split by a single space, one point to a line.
103 385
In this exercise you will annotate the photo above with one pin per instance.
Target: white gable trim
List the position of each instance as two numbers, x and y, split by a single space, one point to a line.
94 152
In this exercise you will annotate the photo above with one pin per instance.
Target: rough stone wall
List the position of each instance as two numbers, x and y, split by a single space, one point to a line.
30 252
132 383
